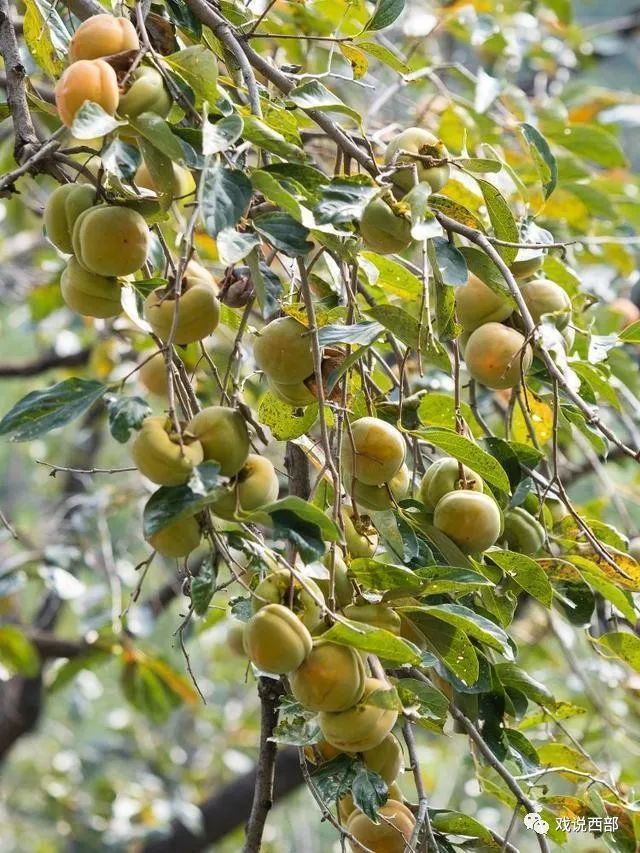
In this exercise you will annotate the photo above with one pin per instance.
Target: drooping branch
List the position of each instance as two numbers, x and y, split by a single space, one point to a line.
485 244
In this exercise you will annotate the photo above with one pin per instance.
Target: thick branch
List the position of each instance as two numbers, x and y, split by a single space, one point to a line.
269 691
229 808
44 363
24 131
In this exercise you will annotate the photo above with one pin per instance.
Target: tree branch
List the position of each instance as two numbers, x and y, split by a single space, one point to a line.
48 361
221 28
24 131
269 692
229 808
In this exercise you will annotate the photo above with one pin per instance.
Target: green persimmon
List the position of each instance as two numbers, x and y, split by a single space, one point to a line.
281 587
406 151
332 678
276 641
178 539
89 294
380 498
471 519
283 351
522 532
146 94
383 230
477 304
363 726
373 451
63 207
158 455
443 476
111 240
255 485
224 437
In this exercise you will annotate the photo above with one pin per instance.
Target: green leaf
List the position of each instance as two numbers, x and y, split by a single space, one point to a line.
528 574
314 96
159 133
224 196
593 143
513 676
384 15
356 58
372 574
172 503
631 335
542 157
426 701
152 687
592 574
161 170
391 277
406 328
334 778
273 190
285 422
384 55
17 652
344 199
185 19
451 263
263 136
458 824
198 67
369 791
266 283
424 224
467 452
283 233
308 512
624 646
481 165
220 136
472 623
456 211
376 641
504 225
482 266
449 644
362 334
41 411
234 246
448 579
91 122
125 415
438 410
203 586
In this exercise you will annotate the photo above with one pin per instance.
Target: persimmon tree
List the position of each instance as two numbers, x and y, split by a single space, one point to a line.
340 297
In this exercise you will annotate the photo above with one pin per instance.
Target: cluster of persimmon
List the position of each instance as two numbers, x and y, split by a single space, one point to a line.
109 242
356 710
495 349
414 156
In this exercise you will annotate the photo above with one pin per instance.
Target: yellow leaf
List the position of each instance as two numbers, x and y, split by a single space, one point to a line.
357 59
541 420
